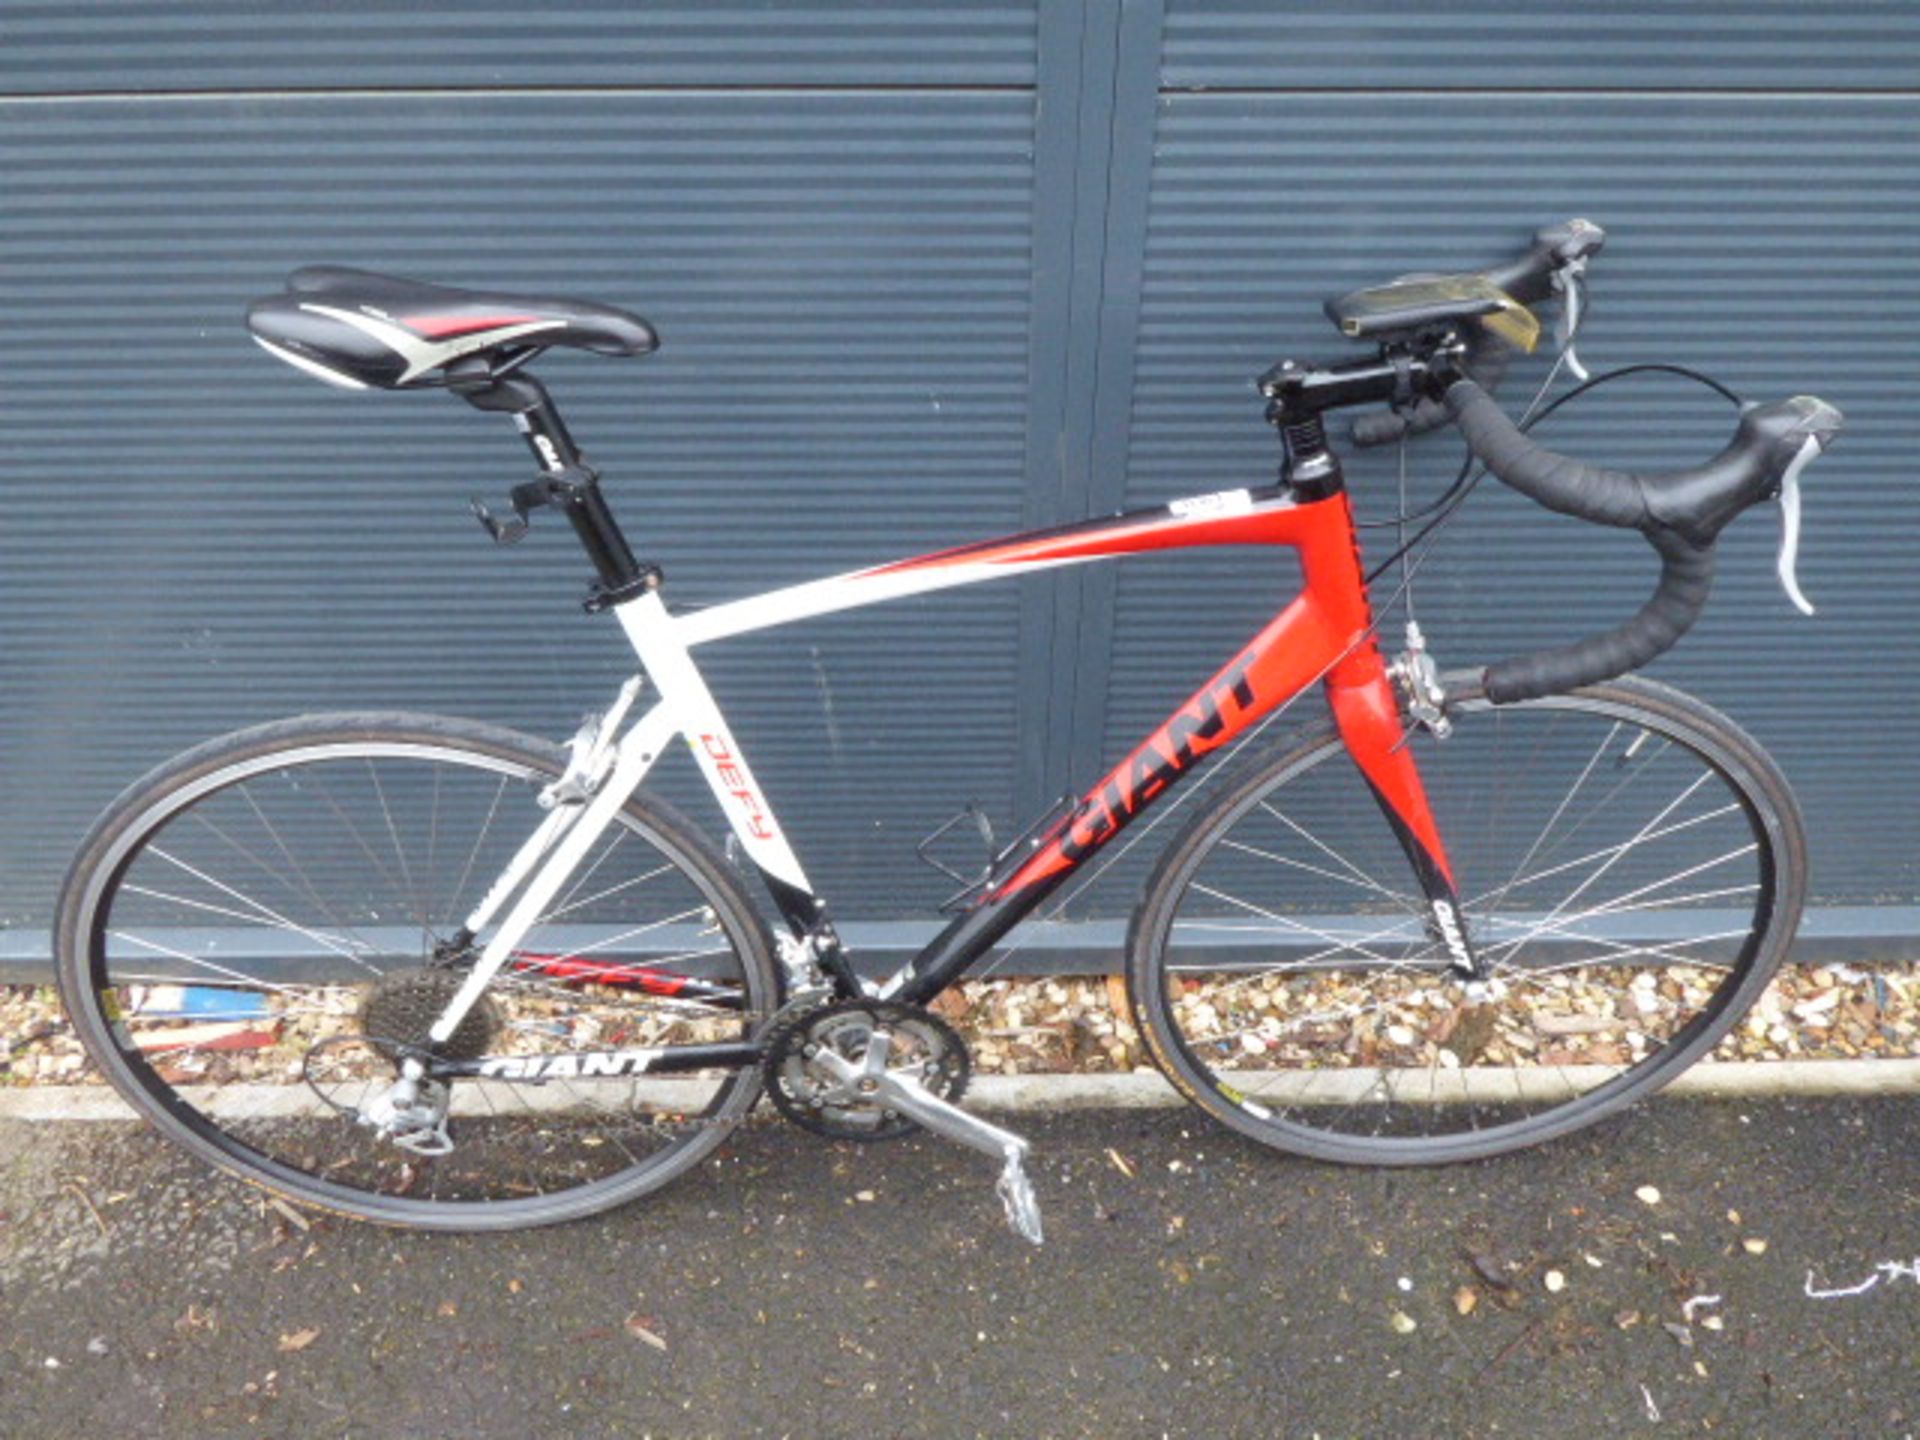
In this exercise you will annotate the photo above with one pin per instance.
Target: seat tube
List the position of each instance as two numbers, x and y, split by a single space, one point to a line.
651 630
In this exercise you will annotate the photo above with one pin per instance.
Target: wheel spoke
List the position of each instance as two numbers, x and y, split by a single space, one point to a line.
484 830
411 892
599 895
1359 877
1643 871
300 1090
1603 853
263 912
306 886
1595 876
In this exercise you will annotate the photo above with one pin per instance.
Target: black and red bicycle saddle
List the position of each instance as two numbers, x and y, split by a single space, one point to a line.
362 330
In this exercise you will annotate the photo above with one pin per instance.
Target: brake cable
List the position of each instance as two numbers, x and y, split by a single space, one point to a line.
1443 508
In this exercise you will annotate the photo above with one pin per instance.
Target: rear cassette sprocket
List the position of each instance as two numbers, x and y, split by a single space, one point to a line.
402 1006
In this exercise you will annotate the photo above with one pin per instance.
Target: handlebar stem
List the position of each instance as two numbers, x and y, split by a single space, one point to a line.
1298 395
1397 373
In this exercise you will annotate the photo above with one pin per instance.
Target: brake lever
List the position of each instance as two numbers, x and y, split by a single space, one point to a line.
1566 280
1790 524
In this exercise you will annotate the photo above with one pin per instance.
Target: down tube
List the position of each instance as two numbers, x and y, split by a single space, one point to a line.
1295 649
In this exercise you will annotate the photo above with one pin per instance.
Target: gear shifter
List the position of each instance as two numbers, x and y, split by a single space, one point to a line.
1790 524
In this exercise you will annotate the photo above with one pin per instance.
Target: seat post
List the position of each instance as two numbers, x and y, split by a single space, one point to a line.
571 484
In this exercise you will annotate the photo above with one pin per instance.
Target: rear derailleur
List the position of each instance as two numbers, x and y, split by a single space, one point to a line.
378 1078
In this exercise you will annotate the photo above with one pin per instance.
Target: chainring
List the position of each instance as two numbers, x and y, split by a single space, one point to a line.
923 1044
401 1006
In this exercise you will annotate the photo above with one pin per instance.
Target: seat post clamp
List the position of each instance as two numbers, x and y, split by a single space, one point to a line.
602 596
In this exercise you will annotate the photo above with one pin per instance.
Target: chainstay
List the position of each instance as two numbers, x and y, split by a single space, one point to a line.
686 1125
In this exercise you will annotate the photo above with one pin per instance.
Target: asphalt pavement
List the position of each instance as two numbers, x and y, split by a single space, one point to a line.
1191 1285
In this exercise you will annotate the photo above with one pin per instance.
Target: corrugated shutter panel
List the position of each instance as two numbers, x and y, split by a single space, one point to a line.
193 45
1763 237
196 538
1516 45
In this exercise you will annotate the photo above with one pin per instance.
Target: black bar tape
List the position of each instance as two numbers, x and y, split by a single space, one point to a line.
1686 577
1572 487
1607 497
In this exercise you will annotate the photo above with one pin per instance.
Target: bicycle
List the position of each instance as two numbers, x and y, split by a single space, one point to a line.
467 979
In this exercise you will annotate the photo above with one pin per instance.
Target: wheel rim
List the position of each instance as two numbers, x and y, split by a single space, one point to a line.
281 891
1613 871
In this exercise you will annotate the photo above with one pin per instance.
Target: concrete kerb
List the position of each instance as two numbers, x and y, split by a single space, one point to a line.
1142 1090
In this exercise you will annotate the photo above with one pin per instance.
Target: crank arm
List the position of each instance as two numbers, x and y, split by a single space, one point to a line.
909 1097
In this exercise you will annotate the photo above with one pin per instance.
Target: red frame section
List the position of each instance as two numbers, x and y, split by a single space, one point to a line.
1326 633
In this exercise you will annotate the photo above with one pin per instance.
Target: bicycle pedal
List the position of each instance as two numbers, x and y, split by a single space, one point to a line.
1015 1190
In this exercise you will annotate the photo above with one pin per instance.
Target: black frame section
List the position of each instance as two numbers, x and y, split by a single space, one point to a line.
670 1060
1438 889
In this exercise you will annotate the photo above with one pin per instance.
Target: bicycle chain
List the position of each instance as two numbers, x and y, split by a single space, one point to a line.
693 1125
665 1129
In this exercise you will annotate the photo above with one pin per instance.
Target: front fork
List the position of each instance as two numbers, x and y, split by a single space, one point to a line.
1368 713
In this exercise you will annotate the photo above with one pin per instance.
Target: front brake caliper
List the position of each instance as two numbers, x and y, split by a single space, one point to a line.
1419 679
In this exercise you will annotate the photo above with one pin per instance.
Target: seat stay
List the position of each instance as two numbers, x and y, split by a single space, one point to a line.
557 849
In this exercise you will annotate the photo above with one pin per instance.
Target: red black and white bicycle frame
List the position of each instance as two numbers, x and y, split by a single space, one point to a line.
1325 634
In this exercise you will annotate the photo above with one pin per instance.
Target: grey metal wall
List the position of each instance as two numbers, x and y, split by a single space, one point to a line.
925 273
842 270
1758 168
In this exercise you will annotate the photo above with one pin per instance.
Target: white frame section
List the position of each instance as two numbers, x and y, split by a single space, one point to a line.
686 708
850 591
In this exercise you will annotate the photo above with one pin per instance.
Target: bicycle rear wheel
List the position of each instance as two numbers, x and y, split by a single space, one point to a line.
251 934
1632 865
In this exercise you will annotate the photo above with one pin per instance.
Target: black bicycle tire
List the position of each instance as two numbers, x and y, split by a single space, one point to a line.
76 964
1729 749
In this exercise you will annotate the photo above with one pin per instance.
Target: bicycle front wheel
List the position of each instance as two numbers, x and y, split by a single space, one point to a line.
256 935
1631 864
